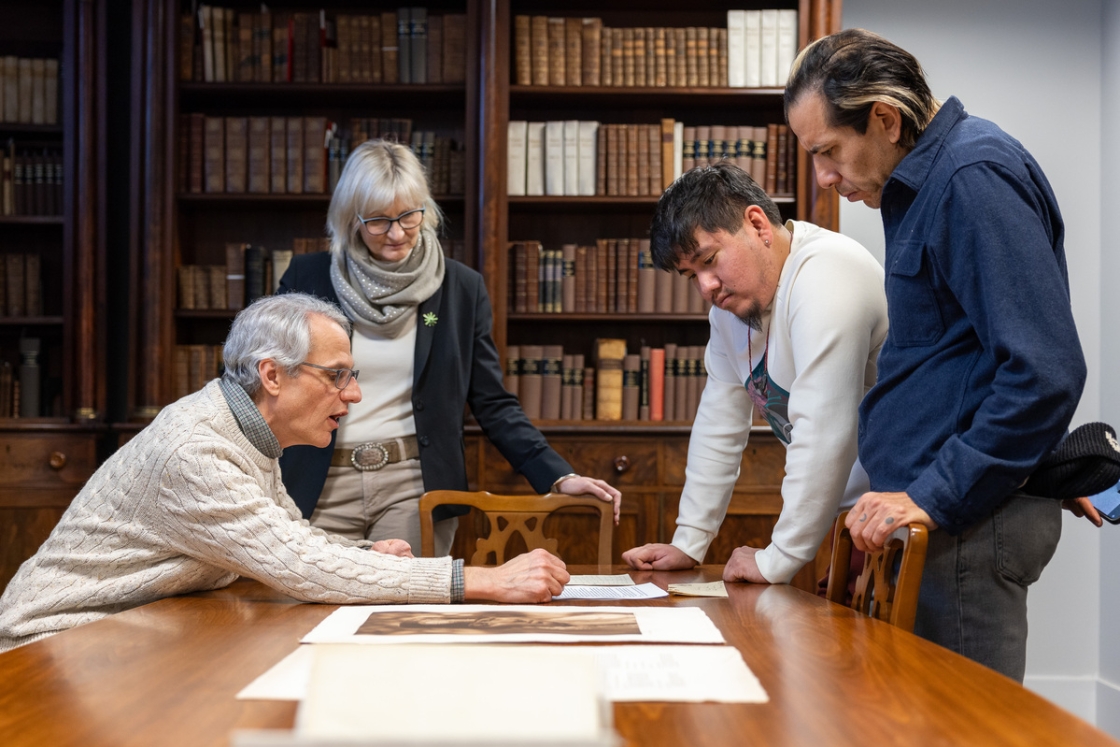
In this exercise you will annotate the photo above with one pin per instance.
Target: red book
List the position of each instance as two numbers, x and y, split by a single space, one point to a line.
657 384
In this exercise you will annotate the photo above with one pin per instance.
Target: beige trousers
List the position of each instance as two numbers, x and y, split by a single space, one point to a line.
379 505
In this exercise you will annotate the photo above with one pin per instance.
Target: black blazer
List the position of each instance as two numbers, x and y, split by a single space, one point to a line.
456 365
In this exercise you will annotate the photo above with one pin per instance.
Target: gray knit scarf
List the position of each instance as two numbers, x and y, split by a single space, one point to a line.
376 299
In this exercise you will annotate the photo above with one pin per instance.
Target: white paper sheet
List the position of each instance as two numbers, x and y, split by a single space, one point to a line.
690 674
638 591
621 579
487 623
710 589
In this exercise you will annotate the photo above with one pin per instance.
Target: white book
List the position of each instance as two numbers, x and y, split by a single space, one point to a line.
281 258
787 43
678 149
769 35
571 157
515 163
588 144
534 159
554 158
752 48
736 51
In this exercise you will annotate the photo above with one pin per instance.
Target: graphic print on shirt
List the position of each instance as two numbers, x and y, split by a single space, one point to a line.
771 400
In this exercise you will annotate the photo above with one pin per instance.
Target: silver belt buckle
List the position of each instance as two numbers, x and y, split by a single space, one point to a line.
369 457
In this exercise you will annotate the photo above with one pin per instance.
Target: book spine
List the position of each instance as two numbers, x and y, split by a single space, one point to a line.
643 383
551 369
236 154
522 50
573 51
567 382
512 377
538 39
530 385
647 279
680 395
517 140
669 392
631 386
591 61
657 384
556 52
568 279
608 391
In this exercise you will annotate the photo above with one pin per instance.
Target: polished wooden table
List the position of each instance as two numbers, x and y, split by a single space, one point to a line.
167 674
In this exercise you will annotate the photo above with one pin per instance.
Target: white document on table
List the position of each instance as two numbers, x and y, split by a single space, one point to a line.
494 623
637 591
688 674
620 579
709 589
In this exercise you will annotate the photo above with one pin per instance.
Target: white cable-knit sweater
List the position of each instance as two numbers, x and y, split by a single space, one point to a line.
825 326
189 505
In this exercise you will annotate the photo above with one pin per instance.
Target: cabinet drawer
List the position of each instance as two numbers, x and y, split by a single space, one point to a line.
621 462
38 460
763 464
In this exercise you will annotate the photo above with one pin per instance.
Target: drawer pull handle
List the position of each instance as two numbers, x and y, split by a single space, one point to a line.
621 464
58 460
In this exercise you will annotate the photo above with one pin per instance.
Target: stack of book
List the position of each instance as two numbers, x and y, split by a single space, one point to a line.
611 276
654 384
222 45
756 49
29 90
31 181
577 158
21 285
252 271
195 365
300 155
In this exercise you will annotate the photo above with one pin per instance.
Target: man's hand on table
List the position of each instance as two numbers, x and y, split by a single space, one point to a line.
531 578
658 557
876 515
400 548
742 566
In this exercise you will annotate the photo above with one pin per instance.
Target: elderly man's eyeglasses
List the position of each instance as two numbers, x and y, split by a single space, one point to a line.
342 376
381 225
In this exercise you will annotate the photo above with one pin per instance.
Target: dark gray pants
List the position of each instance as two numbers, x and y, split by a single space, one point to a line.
974 587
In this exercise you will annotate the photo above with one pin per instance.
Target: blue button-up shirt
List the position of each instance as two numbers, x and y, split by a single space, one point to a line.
982 368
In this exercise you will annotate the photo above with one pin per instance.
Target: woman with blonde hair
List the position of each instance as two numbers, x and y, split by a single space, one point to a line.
422 341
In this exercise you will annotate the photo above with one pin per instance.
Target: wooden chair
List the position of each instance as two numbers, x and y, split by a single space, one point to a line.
509 514
881 592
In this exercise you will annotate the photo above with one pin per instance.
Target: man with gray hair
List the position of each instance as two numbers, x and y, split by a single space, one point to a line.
196 500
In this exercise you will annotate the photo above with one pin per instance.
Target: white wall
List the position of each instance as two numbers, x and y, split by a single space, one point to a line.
1036 69
1108 685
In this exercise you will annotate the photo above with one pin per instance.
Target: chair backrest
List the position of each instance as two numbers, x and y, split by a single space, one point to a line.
881 591
509 514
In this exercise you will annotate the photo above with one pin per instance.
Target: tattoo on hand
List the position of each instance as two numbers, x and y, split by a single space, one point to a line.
889 520
863 517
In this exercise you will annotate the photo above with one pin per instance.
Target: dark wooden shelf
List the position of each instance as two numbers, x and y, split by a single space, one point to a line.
608 317
606 96
33 220
30 321
552 203
205 313
291 96
241 199
617 428
27 128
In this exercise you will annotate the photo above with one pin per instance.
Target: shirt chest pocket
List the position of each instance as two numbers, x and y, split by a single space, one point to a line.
912 308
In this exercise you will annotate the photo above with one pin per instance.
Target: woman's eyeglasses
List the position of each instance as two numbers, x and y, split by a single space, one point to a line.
381 225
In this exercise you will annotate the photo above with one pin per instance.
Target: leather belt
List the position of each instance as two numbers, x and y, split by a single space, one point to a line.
372 455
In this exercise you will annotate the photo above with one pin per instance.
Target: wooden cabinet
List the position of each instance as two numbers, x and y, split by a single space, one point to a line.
48 452
44 468
647 465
